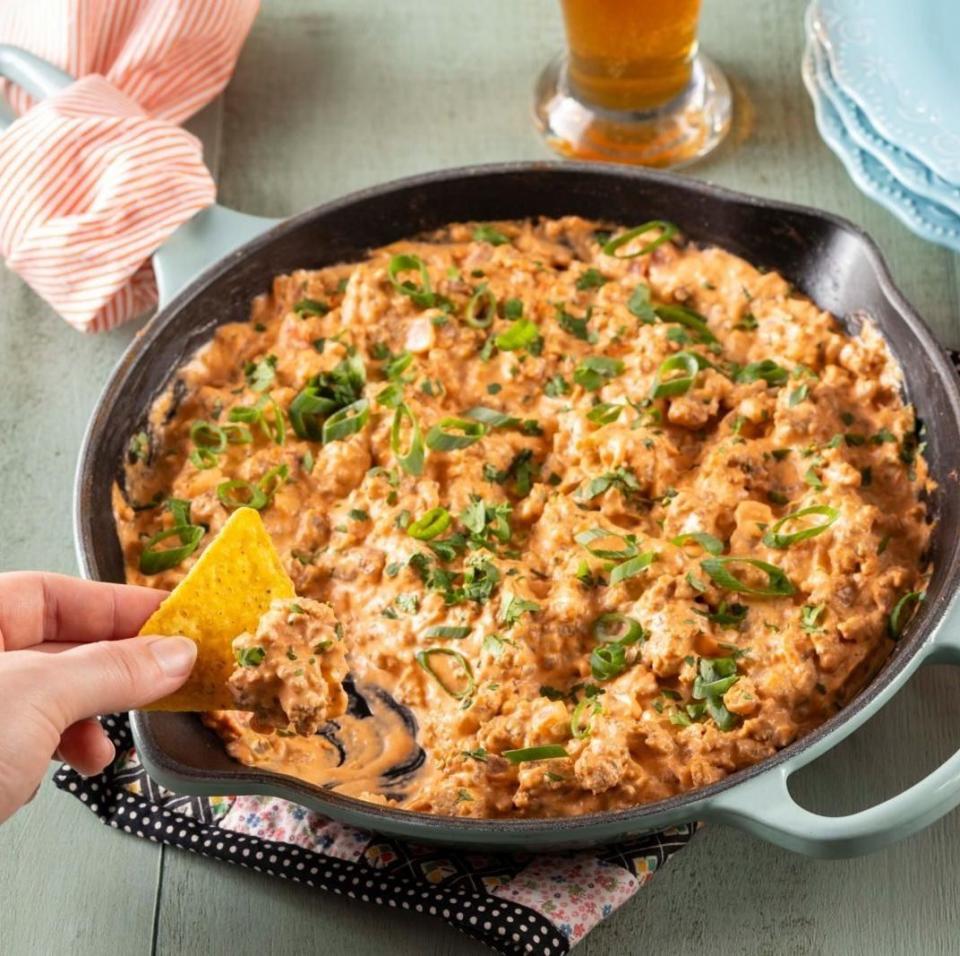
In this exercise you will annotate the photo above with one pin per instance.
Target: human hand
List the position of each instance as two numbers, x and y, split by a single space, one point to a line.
68 653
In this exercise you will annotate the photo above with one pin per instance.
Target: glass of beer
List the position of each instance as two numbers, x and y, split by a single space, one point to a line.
632 86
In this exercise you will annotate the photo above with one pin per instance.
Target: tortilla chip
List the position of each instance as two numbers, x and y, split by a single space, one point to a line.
223 595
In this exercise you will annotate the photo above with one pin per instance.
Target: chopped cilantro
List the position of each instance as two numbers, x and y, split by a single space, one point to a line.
576 325
639 304
262 374
621 478
512 608
810 615
590 279
307 307
250 656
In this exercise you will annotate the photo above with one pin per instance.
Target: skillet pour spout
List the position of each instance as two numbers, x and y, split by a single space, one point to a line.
829 259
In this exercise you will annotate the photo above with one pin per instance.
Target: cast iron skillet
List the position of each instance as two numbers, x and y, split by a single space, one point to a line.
827 258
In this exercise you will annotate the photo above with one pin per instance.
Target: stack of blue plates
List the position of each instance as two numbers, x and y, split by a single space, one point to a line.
884 76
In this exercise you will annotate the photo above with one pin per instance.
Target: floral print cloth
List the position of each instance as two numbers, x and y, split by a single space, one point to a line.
514 902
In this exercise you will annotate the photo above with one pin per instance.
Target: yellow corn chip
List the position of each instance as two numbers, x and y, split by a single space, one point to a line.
224 594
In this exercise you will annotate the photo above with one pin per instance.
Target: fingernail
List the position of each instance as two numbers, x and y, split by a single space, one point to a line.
174 655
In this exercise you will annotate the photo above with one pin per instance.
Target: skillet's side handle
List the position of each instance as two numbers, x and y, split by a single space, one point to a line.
763 805
212 234
38 77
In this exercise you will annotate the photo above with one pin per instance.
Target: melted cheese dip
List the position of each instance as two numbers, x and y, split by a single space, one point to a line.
291 671
528 518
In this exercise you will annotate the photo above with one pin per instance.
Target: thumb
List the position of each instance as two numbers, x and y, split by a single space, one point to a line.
109 676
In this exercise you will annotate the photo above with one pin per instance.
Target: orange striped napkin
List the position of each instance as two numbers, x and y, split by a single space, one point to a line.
95 178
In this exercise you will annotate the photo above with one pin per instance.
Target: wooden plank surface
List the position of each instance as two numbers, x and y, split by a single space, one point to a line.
331 96
68 884
58 865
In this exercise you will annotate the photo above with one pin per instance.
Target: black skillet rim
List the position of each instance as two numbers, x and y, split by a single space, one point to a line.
630 819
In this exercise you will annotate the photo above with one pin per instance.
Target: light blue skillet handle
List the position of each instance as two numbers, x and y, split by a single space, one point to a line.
764 806
212 234
39 78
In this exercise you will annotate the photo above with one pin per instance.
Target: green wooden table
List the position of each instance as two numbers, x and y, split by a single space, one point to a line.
329 96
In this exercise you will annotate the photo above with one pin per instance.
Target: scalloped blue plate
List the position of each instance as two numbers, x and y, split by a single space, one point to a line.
916 176
899 62
927 219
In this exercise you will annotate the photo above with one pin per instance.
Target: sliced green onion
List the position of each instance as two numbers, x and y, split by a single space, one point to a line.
154 560
248 415
521 335
179 509
580 727
608 661
423 659
605 413
410 461
631 567
526 754
716 676
768 370
708 542
251 496
307 412
667 231
681 315
390 396
204 458
779 585
444 632
722 717
593 372
773 539
397 365
273 479
208 435
678 385
430 525
484 301
491 417
422 295
443 437
347 421
895 624
237 433
617 627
